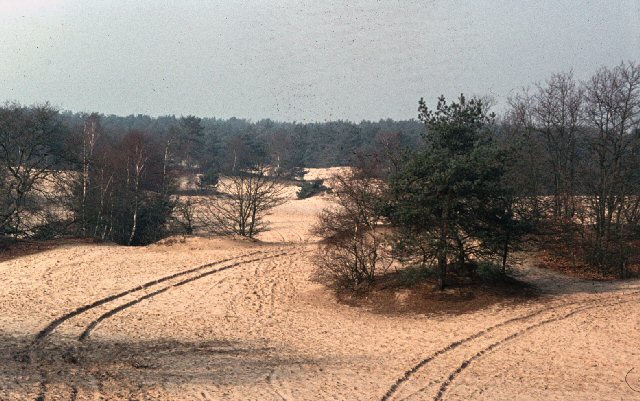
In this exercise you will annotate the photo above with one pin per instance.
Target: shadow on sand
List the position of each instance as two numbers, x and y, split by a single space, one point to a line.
62 368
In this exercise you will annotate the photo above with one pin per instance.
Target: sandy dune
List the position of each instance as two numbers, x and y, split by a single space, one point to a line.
218 319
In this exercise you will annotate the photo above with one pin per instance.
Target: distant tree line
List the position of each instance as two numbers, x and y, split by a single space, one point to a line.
228 145
120 178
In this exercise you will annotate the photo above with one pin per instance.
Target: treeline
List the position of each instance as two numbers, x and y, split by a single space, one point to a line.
562 163
117 178
235 143
58 180
583 140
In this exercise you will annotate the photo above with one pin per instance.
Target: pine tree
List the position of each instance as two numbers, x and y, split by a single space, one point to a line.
450 193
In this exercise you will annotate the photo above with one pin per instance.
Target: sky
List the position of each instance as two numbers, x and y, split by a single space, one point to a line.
299 60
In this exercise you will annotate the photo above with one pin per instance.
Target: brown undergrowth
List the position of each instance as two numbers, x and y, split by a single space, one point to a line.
394 294
561 249
11 248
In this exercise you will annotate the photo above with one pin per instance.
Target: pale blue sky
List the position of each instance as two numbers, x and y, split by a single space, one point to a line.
298 60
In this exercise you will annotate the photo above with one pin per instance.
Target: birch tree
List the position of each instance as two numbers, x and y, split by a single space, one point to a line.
90 134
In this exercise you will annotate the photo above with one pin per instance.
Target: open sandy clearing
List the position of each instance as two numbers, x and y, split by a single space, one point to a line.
233 320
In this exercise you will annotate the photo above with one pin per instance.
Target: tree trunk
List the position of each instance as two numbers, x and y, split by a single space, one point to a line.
442 251
505 254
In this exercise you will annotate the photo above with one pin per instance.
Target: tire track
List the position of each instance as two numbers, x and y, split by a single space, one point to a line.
465 364
38 342
271 378
42 334
91 326
409 373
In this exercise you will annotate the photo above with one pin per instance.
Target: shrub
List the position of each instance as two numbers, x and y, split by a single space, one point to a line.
311 188
209 178
489 272
354 246
413 275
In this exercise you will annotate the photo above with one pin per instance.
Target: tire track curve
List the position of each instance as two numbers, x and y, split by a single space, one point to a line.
465 364
41 336
411 372
45 332
91 326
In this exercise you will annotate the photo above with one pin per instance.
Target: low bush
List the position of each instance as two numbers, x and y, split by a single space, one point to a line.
413 275
311 188
489 272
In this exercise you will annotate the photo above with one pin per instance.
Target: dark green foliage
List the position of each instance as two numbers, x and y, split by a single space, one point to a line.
297 173
489 272
296 144
448 197
50 230
413 275
190 140
153 212
209 178
210 161
311 188
243 152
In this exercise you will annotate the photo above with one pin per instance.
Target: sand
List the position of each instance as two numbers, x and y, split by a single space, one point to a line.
252 324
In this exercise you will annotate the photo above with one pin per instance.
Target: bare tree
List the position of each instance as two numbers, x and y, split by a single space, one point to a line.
137 158
246 199
103 177
530 171
123 193
27 159
613 111
185 215
558 115
353 248
549 121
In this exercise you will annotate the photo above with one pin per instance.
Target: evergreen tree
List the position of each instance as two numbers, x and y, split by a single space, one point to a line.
449 195
191 139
